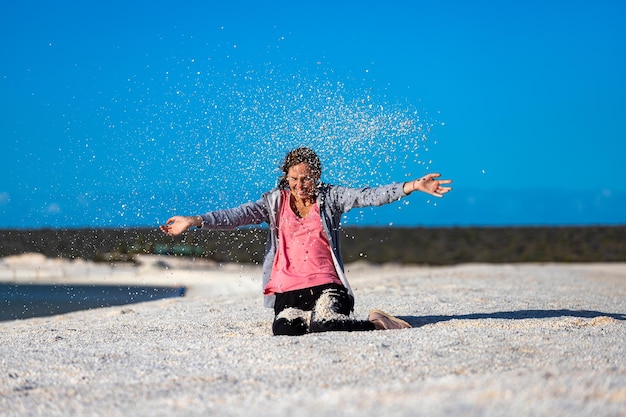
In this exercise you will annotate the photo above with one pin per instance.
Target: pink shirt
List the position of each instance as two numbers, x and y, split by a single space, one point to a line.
303 258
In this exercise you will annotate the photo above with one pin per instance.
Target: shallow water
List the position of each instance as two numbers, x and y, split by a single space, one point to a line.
39 300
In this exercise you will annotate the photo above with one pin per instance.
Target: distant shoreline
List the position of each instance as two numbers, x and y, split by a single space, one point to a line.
417 245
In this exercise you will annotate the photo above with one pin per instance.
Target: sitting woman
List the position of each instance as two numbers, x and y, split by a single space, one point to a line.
303 272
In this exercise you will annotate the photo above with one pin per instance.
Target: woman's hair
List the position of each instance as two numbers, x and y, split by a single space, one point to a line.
298 156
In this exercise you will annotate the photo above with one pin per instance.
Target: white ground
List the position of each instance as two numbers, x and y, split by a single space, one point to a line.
489 340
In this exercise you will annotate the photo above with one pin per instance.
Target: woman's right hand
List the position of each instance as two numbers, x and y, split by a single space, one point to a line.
179 224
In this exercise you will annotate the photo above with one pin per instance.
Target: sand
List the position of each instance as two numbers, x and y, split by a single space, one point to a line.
489 340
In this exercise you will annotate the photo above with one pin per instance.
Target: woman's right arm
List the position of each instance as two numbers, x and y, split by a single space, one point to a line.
249 213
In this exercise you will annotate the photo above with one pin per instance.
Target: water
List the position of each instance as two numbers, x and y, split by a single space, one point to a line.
208 132
204 124
35 300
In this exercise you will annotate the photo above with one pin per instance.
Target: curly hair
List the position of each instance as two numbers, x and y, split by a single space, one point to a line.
298 156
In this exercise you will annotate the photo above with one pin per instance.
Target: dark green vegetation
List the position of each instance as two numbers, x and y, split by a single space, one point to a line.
433 246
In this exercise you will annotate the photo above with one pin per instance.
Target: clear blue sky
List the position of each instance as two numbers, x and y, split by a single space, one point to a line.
124 113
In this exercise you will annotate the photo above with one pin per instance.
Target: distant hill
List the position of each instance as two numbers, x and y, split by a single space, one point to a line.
432 246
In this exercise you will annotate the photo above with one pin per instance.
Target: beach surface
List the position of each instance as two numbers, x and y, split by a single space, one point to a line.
488 340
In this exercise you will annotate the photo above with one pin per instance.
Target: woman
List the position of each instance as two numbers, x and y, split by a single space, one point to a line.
303 272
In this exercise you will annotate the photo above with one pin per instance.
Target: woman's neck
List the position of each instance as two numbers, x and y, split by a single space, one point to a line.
301 206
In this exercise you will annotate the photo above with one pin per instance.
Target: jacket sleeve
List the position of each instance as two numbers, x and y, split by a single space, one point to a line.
245 214
345 198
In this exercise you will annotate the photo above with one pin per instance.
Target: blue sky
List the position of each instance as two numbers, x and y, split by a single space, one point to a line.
123 113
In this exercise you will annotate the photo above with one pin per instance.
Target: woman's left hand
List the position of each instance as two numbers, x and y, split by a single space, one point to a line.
429 184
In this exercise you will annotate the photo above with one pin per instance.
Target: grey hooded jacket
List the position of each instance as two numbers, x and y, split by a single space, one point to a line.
332 200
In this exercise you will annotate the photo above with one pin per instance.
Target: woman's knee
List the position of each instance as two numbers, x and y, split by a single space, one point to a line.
291 322
286 327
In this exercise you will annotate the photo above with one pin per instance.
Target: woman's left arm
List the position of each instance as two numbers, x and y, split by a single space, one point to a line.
346 198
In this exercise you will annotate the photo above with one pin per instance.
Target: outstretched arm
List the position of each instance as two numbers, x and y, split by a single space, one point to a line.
429 184
228 219
179 224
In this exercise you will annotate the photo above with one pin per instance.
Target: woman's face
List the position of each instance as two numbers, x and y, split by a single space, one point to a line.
302 181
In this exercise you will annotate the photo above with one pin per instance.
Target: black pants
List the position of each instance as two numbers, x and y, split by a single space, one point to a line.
324 308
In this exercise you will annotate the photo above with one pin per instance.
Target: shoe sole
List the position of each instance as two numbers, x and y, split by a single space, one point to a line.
403 324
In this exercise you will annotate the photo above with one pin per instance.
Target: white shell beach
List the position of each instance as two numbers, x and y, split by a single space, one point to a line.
497 340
